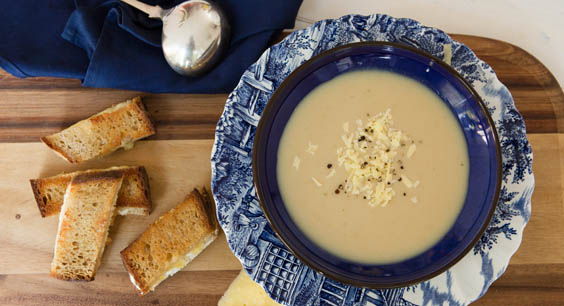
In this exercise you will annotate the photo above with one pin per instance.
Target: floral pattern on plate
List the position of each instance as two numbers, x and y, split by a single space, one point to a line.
267 260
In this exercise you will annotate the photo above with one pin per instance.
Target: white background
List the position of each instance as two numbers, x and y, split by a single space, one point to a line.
534 25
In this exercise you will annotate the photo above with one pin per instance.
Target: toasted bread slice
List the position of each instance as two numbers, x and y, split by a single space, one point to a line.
244 291
134 196
116 127
84 221
171 242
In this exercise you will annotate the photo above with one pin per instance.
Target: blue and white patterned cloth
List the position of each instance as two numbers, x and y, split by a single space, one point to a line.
266 259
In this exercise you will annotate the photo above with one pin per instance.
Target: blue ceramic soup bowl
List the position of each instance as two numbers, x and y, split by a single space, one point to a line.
478 129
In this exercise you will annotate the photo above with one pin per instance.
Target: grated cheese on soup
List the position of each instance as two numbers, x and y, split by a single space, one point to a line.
311 148
411 150
370 155
317 183
296 163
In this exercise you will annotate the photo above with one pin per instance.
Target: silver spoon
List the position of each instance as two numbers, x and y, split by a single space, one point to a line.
195 34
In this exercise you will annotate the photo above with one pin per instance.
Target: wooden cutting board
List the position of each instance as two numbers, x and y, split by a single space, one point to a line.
177 159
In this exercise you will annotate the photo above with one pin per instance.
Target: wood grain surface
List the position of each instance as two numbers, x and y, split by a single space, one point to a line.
177 159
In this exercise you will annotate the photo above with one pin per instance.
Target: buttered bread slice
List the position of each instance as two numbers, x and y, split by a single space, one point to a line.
134 196
116 127
86 215
171 242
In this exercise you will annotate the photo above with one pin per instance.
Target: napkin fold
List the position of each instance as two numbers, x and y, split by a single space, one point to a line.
109 44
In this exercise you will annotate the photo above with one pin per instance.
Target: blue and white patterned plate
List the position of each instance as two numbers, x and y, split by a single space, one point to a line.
249 235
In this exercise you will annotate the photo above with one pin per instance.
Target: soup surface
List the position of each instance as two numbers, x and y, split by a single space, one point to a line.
345 224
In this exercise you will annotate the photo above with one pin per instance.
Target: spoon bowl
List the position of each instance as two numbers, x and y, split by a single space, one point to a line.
195 34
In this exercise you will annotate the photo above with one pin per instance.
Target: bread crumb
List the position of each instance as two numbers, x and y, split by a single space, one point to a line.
414 200
331 173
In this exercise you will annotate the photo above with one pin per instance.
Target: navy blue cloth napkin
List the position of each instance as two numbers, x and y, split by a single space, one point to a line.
109 44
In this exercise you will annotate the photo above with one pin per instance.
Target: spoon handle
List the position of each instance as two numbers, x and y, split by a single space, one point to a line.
152 11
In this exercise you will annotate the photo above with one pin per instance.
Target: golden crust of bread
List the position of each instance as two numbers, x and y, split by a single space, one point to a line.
84 222
134 196
49 192
135 191
171 242
103 133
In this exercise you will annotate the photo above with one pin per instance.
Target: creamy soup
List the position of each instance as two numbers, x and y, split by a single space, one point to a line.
348 224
